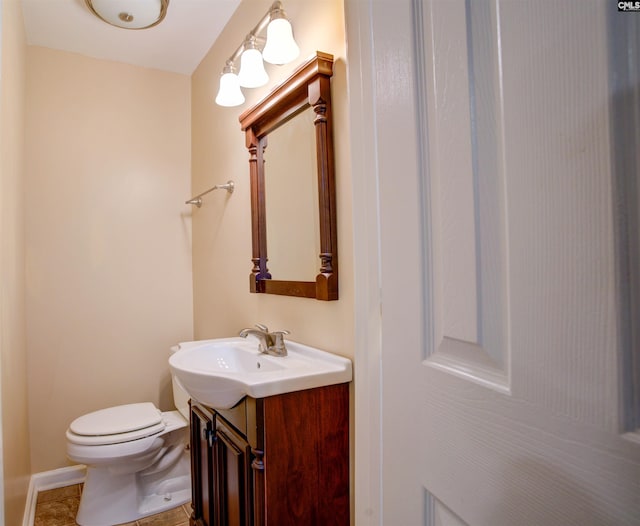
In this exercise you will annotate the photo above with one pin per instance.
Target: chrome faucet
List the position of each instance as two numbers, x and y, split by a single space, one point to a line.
269 342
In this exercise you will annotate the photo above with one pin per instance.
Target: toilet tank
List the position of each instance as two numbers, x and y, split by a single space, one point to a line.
180 396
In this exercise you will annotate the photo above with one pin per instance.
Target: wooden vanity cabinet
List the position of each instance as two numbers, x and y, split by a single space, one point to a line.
276 461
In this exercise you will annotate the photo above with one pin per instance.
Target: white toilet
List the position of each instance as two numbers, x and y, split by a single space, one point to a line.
137 460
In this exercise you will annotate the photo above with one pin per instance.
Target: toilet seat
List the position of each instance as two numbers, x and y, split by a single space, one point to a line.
116 425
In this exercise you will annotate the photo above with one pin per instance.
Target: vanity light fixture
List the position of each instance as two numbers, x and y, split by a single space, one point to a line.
280 48
129 14
252 73
229 93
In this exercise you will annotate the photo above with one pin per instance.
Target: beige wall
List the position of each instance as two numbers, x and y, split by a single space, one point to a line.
108 251
13 357
222 227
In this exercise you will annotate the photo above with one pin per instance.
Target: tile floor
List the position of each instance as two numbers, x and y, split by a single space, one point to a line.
58 507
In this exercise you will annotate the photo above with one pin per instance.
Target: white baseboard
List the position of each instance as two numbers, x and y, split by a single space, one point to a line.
56 478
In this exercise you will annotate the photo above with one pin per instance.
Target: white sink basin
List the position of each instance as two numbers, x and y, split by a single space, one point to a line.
220 372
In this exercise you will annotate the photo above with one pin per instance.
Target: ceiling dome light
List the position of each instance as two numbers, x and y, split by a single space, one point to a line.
229 93
129 14
281 48
252 73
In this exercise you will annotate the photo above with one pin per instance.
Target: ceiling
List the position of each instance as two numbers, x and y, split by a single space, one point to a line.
178 44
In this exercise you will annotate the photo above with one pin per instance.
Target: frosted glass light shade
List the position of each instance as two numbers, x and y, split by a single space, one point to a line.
281 48
129 14
252 73
229 93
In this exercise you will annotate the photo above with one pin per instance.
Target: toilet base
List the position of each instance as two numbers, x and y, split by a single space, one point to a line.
111 498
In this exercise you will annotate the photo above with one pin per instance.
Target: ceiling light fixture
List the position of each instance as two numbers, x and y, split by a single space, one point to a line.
280 48
129 14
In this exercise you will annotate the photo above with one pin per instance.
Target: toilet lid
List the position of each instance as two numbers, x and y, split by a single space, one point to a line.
117 420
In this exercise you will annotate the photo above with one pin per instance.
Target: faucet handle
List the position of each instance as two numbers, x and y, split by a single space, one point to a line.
262 327
278 343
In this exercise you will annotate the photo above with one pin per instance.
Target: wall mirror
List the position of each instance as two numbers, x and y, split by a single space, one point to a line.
293 211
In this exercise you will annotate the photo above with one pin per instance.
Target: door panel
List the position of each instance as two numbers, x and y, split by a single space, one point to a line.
465 190
501 306
233 471
442 516
545 300
232 457
202 466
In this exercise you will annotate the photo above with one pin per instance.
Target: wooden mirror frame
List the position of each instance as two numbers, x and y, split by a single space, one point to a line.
308 86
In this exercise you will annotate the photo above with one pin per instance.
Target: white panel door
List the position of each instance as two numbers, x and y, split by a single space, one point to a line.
501 237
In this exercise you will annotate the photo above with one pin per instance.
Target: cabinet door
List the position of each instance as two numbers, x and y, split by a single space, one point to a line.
202 461
232 481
